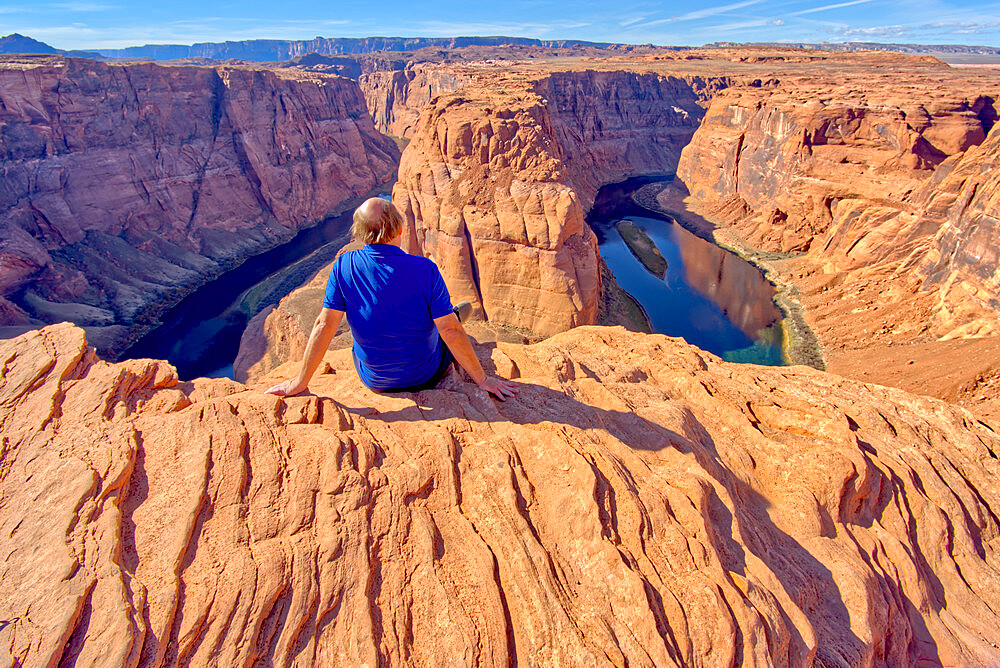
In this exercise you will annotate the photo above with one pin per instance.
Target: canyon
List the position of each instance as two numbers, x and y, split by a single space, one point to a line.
828 166
830 169
125 187
640 502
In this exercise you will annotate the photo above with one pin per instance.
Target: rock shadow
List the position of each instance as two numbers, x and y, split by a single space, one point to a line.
805 579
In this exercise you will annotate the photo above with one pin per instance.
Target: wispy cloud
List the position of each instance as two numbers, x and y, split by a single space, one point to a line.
204 29
825 8
700 13
82 7
939 28
715 11
629 22
739 25
525 29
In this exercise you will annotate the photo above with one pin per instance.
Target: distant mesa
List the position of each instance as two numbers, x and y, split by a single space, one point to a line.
268 50
920 49
17 43
20 44
263 50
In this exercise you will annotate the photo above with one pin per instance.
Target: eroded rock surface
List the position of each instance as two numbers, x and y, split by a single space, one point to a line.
126 186
790 155
396 96
496 179
640 502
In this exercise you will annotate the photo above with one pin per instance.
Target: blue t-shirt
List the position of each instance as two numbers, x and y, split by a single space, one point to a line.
391 299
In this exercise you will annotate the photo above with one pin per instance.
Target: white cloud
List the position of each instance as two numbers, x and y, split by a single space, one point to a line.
737 25
207 29
82 7
824 8
940 28
629 22
460 28
715 11
701 13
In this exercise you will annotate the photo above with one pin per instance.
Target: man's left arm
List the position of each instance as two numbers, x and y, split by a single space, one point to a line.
319 340
454 336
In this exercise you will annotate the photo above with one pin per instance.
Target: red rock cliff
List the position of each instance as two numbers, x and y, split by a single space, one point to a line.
497 178
125 186
639 503
788 155
866 179
395 97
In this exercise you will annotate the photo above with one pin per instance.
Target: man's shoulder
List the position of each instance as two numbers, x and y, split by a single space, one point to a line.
420 263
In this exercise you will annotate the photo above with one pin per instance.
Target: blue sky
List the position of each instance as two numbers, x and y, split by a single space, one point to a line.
82 24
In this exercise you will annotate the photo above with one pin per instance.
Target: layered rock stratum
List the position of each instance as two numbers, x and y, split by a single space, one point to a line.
640 502
879 202
497 178
124 187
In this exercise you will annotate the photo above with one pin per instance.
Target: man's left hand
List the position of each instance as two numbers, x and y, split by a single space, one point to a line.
498 387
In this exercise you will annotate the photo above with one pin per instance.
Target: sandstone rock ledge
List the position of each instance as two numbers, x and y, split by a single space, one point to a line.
640 502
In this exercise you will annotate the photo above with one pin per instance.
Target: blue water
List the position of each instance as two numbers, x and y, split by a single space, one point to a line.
709 296
201 334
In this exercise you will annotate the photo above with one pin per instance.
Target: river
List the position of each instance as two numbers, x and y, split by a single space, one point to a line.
200 336
709 296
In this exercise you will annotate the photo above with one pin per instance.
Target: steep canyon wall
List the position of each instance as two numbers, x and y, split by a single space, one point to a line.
126 186
497 178
791 154
396 96
857 176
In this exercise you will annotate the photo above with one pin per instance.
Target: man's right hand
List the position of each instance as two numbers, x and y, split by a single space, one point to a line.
499 388
288 388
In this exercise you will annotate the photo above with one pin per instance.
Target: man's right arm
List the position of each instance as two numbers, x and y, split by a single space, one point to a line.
454 336
319 340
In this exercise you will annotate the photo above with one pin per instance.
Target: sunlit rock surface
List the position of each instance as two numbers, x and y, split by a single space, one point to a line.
497 177
640 502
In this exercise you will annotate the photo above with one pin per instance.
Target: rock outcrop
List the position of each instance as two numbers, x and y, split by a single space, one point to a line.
396 96
962 201
496 179
639 503
785 158
883 206
126 186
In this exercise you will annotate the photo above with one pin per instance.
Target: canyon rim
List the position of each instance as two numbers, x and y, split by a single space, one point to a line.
642 502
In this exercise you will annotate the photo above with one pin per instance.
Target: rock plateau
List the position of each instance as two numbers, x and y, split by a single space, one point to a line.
639 503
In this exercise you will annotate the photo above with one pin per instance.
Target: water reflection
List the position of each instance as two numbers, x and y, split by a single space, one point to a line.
709 296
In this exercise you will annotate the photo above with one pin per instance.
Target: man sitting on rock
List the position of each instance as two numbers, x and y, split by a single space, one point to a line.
406 332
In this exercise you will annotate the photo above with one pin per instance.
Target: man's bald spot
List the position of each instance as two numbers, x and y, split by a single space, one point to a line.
373 208
377 221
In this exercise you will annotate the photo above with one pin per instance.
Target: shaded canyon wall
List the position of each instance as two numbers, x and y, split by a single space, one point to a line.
124 187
